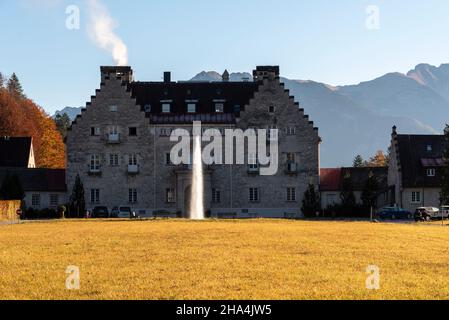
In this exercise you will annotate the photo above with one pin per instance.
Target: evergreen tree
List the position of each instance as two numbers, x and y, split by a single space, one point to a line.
77 202
11 188
2 80
370 191
310 202
444 195
14 87
347 193
358 162
62 123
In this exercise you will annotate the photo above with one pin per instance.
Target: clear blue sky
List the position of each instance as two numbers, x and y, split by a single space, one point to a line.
322 40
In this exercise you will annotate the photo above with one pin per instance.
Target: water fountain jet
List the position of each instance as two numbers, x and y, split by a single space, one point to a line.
197 192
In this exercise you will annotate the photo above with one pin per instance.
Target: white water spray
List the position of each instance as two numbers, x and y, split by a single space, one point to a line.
197 196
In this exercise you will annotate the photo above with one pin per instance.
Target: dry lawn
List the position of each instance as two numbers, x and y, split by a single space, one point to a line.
250 259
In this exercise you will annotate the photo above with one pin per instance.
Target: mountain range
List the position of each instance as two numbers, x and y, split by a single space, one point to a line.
357 119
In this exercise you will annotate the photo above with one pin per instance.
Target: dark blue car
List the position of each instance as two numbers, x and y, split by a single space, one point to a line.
394 213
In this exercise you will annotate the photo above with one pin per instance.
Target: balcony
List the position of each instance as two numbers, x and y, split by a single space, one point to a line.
133 169
292 168
94 170
113 138
253 169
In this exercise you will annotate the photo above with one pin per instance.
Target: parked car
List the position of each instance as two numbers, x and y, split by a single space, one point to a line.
394 213
444 212
100 212
427 213
121 212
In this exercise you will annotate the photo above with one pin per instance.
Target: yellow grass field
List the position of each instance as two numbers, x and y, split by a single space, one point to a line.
248 259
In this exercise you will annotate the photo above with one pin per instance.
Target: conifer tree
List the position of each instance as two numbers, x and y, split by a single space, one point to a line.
347 196
358 162
444 195
310 202
77 201
14 87
370 191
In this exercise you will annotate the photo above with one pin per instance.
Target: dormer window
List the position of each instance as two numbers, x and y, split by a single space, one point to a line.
166 108
147 108
219 107
271 109
429 148
430 172
191 108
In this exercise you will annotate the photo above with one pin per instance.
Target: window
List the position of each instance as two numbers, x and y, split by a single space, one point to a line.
271 109
94 196
36 200
113 160
416 197
429 148
219 107
132 161
132 195
165 132
290 131
237 108
253 163
291 158
94 131
272 133
170 195
291 194
168 159
191 108
430 172
54 200
216 196
113 108
166 108
331 199
147 108
254 194
132 131
95 162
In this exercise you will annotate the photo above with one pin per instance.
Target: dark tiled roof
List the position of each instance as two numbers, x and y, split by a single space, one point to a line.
203 94
15 151
330 179
359 176
415 158
51 180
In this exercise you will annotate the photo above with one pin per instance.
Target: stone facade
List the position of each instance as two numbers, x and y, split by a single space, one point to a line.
114 131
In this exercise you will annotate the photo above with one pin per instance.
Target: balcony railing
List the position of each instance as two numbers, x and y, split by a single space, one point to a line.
253 169
292 167
94 170
113 138
133 169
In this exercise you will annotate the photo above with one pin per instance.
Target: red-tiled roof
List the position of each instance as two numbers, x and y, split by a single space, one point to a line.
330 179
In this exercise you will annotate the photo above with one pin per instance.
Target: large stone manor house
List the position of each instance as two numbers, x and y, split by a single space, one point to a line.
120 145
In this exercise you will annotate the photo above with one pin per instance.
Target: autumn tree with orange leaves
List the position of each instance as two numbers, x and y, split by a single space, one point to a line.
21 117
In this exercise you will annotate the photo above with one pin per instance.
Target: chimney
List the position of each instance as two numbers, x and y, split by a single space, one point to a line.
167 77
116 72
266 72
225 76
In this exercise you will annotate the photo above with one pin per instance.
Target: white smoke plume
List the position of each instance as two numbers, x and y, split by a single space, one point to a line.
101 30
